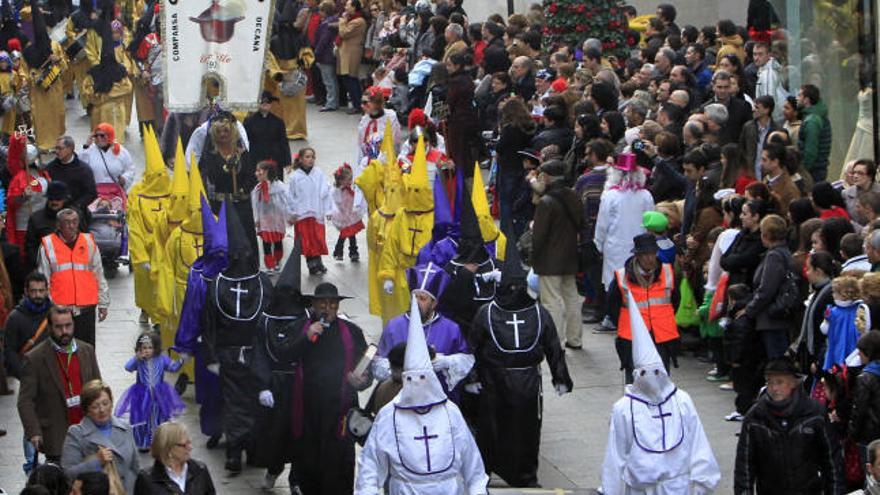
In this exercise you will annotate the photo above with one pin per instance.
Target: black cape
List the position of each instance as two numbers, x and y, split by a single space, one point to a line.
509 368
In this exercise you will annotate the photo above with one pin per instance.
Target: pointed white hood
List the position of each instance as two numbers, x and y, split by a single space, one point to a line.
651 381
421 387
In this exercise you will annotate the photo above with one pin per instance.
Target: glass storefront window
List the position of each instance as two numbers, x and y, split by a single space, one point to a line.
833 44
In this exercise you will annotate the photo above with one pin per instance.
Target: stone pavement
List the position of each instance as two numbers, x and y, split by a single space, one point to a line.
575 426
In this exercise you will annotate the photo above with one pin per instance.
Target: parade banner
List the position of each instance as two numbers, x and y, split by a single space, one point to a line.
222 38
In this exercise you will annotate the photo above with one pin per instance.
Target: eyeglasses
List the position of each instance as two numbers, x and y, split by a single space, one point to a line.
100 135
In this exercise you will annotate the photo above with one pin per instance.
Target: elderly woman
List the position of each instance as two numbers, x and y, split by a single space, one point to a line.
863 180
100 441
174 471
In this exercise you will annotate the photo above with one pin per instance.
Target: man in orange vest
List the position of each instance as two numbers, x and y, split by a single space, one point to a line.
652 285
71 261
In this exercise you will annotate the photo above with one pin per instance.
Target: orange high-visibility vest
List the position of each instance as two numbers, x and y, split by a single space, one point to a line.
655 304
71 282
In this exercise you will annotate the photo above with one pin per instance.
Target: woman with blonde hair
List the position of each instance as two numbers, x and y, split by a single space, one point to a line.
174 471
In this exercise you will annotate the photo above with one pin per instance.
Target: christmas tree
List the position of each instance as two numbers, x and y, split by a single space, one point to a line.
572 21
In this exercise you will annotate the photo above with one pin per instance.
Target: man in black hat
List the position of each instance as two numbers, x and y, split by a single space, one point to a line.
78 176
786 445
274 375
510 337
326 350
653 287
237 297
42 222
267 133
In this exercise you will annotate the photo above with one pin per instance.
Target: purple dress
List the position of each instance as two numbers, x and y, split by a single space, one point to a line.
442 335
150 401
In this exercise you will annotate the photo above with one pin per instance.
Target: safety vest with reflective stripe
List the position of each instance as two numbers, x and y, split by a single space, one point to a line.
71 281
655 304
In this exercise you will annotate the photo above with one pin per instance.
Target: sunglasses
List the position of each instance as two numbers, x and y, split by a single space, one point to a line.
100 134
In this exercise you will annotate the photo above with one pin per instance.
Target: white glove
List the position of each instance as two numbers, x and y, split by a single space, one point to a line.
388 286
473 388
214 368
145 266
440 362
562 389
184 357
493 276
266 399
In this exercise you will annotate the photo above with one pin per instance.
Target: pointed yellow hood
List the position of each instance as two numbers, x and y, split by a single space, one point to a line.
388 146
178 210
193 201
419 194
488 229
155 181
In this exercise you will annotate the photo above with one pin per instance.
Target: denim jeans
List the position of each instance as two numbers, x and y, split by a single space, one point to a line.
506 185
353 87
328 77
775 342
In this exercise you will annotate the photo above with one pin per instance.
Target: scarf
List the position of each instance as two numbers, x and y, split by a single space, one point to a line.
873 368
35 308
338 40
264 191
344 398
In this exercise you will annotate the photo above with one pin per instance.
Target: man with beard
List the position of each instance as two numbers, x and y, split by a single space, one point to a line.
53 374
325 349
510 337
275 375
236 298
656 443
22 327
427 283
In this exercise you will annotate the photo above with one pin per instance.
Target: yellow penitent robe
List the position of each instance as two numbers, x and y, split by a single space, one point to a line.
7 89
184 246
290 109
47 106
405 236
123 57
109 107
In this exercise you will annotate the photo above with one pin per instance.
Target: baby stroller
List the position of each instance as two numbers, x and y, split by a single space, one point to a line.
108 227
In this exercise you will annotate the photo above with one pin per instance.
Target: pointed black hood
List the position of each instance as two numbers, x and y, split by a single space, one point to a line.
287 298
287 40
38 52
142 28
512 293
470 247
242 259
108 72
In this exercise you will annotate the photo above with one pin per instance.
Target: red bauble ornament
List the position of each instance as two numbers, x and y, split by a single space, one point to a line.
552 8
581 8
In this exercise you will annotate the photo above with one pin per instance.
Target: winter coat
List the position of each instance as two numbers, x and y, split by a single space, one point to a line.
732 44
768 281
155 481
864 419
562 136
21 325
618 222
814 138
555 231
742 258
324 39
351 49
742 344
495 58
794 454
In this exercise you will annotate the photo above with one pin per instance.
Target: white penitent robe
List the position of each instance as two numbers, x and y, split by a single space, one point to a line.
370 133
658 449
422 454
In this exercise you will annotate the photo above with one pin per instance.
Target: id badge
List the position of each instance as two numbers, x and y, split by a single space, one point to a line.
73 401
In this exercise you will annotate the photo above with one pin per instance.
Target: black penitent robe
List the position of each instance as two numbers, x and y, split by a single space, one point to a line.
509 346
323 453
272 372
231 314
217 174
268 139
465 293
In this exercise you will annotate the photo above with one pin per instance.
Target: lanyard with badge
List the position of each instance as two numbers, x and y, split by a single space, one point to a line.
72 400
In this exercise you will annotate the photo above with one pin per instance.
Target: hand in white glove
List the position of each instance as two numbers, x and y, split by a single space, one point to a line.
562 389
266 399
214 368
145 266
473 388
183 357
440 362
388 286
493 276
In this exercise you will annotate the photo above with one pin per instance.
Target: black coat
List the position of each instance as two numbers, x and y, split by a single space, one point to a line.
511 141
79 179
738 113
561 136
768 280
667 181
792 454
525 88
21 325
462 125
864 419
268 139
742 257
495 58
155 481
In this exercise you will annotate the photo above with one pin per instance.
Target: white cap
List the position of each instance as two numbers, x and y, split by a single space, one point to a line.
421 387
651 381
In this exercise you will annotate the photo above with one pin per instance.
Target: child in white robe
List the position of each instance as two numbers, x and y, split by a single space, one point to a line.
270 205
349 209
311 202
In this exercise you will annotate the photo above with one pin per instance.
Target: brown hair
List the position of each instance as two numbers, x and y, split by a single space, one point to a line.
297 161
774 228
870 288
92 391
846 287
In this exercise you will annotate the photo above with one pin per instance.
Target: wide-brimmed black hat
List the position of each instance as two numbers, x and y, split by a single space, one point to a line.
57 190
268 97
780 366
645 243
326 290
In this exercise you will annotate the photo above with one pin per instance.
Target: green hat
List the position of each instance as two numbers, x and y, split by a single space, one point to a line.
654 221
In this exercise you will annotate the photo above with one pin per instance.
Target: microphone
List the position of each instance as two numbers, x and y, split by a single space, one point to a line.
314 337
